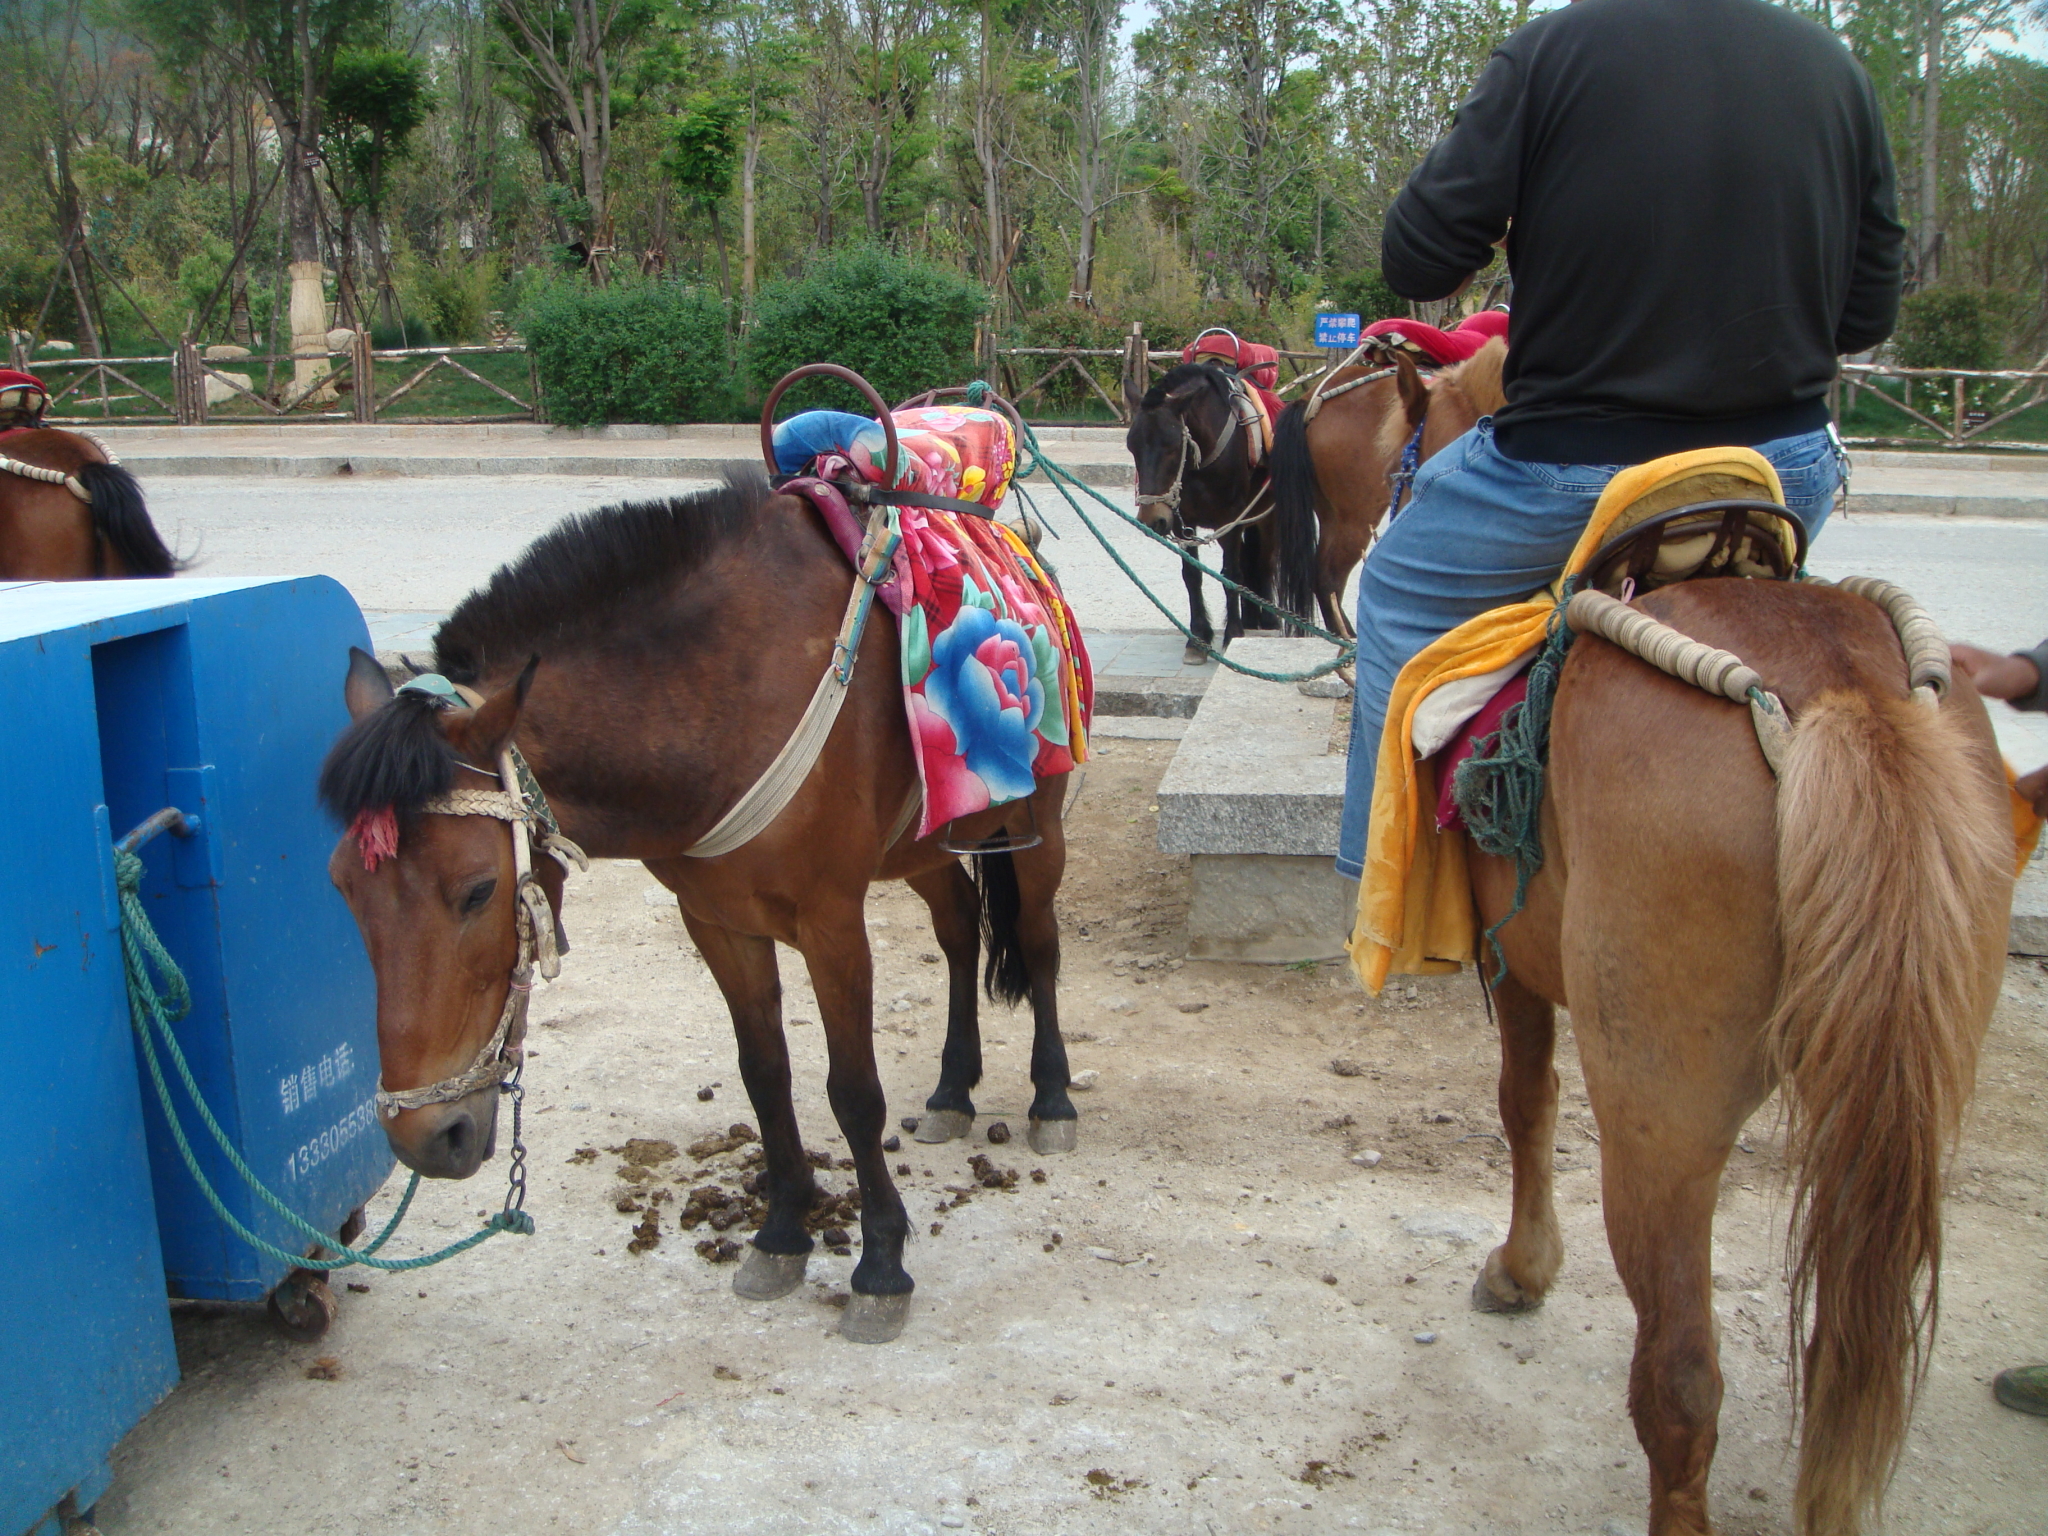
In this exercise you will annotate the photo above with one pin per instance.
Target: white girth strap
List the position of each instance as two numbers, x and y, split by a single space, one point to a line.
768 795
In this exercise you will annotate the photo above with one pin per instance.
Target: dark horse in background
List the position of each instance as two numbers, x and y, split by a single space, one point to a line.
51 531
677 643
1192 441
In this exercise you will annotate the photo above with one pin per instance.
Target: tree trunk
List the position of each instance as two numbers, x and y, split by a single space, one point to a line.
1083 296
749 162
1930 150
724 263
310 367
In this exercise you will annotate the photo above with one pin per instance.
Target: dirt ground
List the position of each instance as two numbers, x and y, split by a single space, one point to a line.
1214 1317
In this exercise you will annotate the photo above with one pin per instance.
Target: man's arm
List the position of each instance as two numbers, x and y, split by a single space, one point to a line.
2021 679
1443 226
1871 307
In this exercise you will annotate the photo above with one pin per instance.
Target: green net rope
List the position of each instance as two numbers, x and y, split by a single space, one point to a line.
158 997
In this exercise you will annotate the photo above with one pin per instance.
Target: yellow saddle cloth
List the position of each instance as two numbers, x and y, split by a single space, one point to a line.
1415 914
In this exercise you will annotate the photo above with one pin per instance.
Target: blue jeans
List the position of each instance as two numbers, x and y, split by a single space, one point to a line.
1483 530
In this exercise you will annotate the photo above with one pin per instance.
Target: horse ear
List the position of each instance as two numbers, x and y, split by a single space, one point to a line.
485 733
1414 393
367 686
1182 395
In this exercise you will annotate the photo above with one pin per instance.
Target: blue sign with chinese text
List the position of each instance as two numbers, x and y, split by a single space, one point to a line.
1336 330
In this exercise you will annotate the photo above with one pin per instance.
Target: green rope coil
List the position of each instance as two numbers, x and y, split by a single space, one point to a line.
1499 788
1037 461
159 996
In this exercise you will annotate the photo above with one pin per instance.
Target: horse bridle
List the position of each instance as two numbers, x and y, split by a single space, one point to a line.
1170 497
518 802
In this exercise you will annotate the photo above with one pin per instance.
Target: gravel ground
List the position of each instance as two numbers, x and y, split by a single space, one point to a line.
1208 1319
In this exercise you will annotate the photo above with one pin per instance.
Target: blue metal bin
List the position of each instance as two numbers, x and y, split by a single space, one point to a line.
218 697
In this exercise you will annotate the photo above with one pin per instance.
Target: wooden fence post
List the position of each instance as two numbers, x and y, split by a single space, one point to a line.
1137 360
364 402
188 384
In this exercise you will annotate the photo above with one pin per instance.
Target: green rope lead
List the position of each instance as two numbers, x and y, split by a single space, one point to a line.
152 1010
1499 787
1065 483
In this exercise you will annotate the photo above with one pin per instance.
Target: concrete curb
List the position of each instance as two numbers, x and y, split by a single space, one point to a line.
423 466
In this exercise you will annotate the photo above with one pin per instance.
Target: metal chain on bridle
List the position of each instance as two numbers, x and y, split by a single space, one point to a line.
518 802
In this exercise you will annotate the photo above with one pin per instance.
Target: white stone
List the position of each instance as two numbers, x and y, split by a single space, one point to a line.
1367 1159
340 339
1084 1082
1425 1338
217 390
224 351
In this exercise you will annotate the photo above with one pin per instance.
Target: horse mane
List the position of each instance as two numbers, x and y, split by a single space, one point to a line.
572 579
1218 379
1395 428
395 756
1478 378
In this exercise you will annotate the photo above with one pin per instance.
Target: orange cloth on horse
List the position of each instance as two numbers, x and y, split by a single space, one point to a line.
1415 912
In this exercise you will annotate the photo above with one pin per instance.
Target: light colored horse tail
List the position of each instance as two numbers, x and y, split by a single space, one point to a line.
1894 866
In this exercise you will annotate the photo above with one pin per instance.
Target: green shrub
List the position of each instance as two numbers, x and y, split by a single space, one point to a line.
1951 328
455 298
1065 326
903 324
636 351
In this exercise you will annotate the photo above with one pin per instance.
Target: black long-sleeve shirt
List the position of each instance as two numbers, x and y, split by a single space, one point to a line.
1703 219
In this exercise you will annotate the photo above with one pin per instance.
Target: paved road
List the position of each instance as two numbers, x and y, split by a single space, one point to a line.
416 545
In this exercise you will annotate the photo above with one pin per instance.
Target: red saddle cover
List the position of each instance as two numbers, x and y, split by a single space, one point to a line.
1485 723
1256 364
1446 347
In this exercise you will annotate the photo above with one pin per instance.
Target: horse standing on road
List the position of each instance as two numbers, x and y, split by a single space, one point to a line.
652 661
1193 439
69 512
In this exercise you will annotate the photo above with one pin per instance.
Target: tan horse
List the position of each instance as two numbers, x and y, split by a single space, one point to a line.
1838 931
90 523
1332 475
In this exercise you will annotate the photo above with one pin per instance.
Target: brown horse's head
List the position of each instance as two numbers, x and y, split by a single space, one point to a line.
434 895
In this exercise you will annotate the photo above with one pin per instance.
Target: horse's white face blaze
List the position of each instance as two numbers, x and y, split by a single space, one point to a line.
438 921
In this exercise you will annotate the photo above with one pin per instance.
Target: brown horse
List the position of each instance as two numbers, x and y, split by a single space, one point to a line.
679 643
50 531
1333 476
1837 932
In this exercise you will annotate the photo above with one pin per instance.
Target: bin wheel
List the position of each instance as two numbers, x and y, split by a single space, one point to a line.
302 1306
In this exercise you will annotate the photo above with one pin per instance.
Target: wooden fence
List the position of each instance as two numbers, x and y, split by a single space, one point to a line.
107 391
1136 363
1972 402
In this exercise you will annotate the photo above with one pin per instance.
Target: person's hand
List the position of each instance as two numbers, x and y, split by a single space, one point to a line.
1995 676
2033 788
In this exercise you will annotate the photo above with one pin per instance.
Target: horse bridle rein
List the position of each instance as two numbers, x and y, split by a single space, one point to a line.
518 802
1189 449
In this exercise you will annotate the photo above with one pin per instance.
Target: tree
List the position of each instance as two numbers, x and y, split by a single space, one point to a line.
703 154
376 99
1088 174
568 52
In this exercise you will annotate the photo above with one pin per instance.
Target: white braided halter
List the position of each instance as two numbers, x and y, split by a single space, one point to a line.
533 920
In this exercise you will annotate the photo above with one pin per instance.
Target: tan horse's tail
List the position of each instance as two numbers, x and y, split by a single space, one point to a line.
1891 864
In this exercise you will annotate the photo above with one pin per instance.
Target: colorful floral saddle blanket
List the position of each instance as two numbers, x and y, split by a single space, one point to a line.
961 453
997 686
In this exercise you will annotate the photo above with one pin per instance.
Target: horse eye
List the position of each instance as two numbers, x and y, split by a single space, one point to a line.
478 896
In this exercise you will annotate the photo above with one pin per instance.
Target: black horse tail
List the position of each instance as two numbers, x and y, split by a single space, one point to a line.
120 518
1294 513
1005 976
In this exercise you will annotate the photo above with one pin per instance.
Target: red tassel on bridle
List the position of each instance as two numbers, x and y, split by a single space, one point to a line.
376 833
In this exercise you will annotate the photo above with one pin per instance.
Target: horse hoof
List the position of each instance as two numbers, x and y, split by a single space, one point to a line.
1486 1299
1194 655
1045 1136
874 1319
768 1276
943 1125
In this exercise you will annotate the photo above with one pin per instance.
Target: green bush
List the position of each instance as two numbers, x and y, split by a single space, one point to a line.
636 351
1367 295
1065 326
903 324
1951 328
455 297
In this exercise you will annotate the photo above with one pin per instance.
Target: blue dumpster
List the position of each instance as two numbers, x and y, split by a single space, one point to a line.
217 697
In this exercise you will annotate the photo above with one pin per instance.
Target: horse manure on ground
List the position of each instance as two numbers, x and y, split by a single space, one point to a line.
721 1250
893 1144
326 1368
583 1155
647 1234
647 1152
989 1176
998 1133
704 1148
